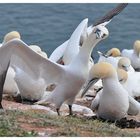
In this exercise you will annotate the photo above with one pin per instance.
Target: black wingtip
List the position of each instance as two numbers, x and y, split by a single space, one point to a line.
111 14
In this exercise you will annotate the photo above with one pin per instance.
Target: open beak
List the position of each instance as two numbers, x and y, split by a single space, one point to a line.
90 83
98 34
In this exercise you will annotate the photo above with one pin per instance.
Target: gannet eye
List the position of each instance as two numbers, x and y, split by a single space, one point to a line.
103 35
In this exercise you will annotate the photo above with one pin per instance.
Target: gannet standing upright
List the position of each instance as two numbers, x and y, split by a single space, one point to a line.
133 55
67 52
113 103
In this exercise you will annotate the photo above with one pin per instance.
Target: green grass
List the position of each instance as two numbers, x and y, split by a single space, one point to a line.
10 125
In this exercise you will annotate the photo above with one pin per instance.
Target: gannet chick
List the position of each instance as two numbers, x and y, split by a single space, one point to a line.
113 103
133 55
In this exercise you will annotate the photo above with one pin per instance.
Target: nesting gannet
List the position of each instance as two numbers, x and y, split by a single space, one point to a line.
112 57
113 102
133 55
125 64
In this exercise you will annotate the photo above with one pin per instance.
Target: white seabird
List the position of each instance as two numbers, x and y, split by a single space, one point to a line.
113 102
78 79
133 55
10 86
66 52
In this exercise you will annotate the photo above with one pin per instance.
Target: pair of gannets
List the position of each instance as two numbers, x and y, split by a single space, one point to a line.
133 55
113 102
10 85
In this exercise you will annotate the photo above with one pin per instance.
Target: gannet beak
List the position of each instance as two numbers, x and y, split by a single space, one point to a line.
90 83
102 54
126 68
98 34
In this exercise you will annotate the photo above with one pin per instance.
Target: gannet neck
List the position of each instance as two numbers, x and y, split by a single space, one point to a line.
99 33
111 83
122 75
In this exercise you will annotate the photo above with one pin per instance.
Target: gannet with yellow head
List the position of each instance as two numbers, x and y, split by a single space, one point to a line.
10 85
125 64
114 102
133 55
112 56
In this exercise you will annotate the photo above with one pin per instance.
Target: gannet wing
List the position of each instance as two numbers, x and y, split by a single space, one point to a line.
108 17
58 52
73 45
134 106
70 48
30 62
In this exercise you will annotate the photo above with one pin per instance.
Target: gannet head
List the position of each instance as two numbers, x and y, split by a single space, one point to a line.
101 32
122 75
35 48
136 47
43 54
11 35
124 63
100 70
114 52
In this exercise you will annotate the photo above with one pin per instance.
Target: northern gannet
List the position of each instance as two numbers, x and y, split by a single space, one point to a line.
133 55
75 74
125 64
113 102
67 52
112 56
10 86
